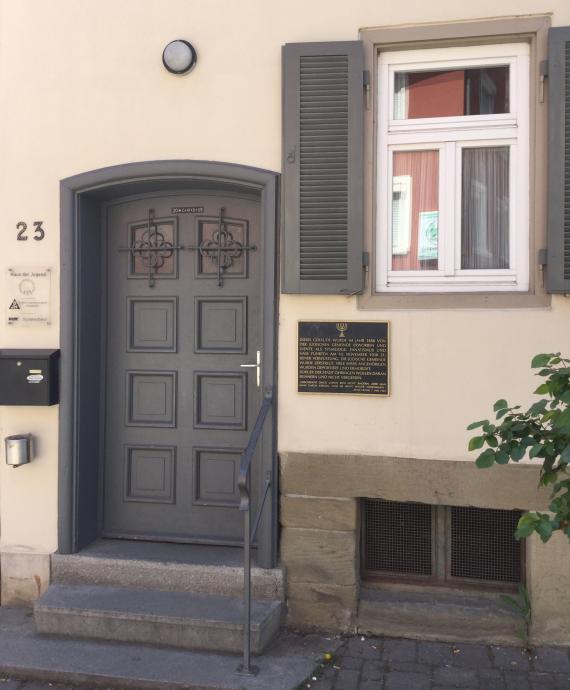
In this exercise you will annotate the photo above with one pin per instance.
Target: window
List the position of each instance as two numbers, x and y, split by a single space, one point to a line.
453 170
445 545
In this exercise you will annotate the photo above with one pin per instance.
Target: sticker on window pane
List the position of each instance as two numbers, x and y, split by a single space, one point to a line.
415 211
485 208
428 235
449 93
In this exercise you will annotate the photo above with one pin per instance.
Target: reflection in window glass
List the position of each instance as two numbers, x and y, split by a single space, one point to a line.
415 210
485 208
448 93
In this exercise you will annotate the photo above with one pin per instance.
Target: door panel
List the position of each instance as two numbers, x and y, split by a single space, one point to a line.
183 313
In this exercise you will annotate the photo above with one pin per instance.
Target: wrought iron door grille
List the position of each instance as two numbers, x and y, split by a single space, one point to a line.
482 544
398 537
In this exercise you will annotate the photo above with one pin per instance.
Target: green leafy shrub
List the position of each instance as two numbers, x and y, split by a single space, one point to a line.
542 431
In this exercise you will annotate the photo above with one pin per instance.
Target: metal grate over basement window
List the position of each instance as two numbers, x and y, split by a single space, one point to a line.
440 544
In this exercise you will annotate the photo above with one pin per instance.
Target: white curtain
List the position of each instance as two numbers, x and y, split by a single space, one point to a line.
485 208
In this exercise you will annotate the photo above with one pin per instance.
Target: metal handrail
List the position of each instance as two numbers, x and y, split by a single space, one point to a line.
248 535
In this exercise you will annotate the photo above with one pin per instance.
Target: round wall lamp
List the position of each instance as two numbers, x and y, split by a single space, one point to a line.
179 56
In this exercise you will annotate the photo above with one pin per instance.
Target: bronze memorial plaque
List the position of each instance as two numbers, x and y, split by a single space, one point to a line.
343 357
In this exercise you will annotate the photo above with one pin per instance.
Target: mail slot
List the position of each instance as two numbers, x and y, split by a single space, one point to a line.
29 377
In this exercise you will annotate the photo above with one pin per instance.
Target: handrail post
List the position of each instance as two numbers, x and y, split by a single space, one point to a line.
247 594
246 668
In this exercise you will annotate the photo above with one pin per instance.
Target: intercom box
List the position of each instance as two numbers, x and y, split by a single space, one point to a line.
29 377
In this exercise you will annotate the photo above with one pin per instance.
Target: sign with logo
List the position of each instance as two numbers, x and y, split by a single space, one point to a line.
28 297
350 357
428 235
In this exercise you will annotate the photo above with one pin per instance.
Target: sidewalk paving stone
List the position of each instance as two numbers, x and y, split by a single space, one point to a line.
471 656
517 680
437 653
371 685
551 659
400 650
347 680
541 681
371 670
399 680
321 684
456 677
511 658
350 663
409 666
491 679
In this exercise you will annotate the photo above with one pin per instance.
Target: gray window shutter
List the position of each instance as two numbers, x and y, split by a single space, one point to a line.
558 260
322 168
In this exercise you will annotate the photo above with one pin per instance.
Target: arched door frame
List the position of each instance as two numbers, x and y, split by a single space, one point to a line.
81 198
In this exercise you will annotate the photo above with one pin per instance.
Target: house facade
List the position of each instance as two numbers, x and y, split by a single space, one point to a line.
195 243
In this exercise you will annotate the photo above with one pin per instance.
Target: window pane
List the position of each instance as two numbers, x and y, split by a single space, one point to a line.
415 210
447 93
485 208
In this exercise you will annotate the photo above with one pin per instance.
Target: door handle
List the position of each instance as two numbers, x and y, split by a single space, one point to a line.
257 366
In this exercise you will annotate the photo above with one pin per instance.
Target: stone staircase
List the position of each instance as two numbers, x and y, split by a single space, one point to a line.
168 595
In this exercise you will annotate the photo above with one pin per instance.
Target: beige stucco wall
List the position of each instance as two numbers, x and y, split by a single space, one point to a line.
83 87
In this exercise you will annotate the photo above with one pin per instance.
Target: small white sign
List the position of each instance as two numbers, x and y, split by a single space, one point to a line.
28 297
428 235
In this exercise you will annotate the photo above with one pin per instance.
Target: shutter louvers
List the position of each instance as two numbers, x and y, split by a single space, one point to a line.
558 256
322 168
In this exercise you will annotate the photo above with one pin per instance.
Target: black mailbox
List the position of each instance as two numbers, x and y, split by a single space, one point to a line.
29 377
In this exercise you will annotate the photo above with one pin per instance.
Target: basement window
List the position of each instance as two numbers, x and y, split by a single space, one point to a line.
443 545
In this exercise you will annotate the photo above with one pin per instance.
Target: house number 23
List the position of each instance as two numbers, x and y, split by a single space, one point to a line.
22 228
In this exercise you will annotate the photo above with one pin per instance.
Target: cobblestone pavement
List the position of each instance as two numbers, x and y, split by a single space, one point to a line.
394 664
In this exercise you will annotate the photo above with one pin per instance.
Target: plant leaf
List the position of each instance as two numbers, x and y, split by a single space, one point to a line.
518 453
513 603
475 425
544 529
502 457
563 419
542 389
486 459
540 361
476 442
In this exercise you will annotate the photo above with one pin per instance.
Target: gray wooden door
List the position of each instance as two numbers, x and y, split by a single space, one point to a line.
184 314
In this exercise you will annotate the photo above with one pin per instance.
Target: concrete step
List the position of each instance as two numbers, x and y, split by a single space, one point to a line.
176 619
98 664
442 616
168 567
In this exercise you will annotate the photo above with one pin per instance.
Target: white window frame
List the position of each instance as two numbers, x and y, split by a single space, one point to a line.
450 135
